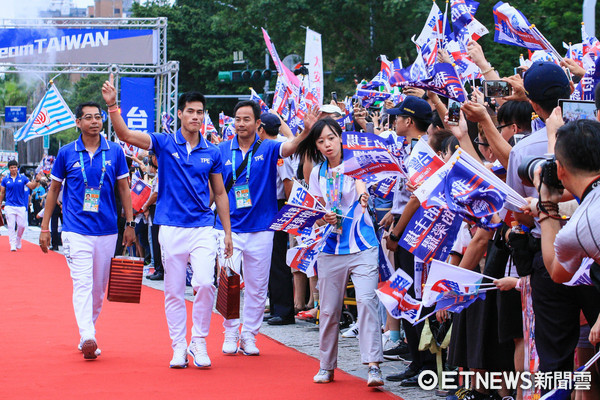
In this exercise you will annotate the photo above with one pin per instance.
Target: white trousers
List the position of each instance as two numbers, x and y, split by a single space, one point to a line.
333 278
16 219
199 247
88 258
251 256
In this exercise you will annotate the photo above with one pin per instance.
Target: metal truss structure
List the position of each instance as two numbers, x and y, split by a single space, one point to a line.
166 73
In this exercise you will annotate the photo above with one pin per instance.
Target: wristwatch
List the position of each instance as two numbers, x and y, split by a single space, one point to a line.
393 237
130 223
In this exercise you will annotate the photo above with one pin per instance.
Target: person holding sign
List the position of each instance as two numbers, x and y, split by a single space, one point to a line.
91 168
187 164
351 250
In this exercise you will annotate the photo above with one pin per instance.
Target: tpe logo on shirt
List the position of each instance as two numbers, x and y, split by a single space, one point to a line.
259 158
205 160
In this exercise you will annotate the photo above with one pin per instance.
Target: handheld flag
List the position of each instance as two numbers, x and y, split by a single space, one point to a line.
50 116
422 163
304 257
446 281
431 232
513 28
140 192
444 80
256 98
393 295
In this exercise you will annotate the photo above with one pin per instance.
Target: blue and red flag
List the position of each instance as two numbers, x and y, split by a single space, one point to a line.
513 28
255 97
393 295
431 232
140 192
444 80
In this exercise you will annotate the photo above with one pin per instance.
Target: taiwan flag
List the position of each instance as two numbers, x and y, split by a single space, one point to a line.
140 192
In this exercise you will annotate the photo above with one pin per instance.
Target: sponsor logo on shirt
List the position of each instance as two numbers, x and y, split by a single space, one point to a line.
175 155
228 162
77 165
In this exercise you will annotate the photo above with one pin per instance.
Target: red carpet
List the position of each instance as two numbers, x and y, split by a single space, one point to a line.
39 358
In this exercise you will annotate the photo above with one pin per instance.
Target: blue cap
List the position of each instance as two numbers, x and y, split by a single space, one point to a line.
271 123
413 106
545 80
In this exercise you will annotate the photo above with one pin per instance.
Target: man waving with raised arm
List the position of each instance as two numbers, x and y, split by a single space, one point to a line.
185 218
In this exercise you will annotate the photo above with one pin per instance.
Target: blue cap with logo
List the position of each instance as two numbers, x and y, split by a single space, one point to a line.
413 106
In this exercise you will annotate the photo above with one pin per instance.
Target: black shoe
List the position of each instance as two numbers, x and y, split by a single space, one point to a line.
397 353
411 382
157 276
277 320
268 317
408 373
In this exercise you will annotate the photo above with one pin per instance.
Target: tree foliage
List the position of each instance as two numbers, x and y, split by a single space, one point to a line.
203 35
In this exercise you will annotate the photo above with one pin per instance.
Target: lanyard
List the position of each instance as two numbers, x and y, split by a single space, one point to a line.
335 188
247 167
83 168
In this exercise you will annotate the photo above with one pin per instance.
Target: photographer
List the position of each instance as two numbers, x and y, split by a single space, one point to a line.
578 168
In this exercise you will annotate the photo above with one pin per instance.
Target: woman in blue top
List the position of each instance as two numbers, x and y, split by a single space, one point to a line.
350 250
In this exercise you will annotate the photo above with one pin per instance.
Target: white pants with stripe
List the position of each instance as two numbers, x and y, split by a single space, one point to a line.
88 258
16 219
199 247
251 256
334 271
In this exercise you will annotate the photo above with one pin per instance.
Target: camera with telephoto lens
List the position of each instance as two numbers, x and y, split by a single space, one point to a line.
549 175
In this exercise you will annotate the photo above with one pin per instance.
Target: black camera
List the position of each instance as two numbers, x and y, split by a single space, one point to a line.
549 175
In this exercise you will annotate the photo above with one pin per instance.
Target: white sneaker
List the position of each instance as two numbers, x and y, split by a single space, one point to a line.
19 244
198 352
13 248
248 345
388 343
230 343
80 348
179 359
323 376
352 331
88 348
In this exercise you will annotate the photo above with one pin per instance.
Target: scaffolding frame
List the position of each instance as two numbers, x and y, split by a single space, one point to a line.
166 73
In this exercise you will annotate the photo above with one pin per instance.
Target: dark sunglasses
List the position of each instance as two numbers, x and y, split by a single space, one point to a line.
478 143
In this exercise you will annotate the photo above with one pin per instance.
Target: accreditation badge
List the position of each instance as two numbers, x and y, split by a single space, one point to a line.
242 195
91 199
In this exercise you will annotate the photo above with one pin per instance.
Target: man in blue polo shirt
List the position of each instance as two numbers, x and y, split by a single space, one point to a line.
187 164
90 169
253 203
15 188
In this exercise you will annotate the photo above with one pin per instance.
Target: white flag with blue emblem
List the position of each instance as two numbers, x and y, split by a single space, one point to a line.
50 116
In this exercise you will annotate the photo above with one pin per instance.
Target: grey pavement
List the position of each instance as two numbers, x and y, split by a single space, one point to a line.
304 337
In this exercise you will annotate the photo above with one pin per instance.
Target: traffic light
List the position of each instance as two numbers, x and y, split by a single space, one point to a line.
246 75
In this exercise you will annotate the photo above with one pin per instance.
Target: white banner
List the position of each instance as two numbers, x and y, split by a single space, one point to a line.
313 55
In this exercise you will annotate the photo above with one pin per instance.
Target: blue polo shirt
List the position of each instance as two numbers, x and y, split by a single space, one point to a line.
262 184
183 191
67 168
16 192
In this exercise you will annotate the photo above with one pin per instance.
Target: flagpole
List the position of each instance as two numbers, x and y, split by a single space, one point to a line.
313 209
445 20
546 42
